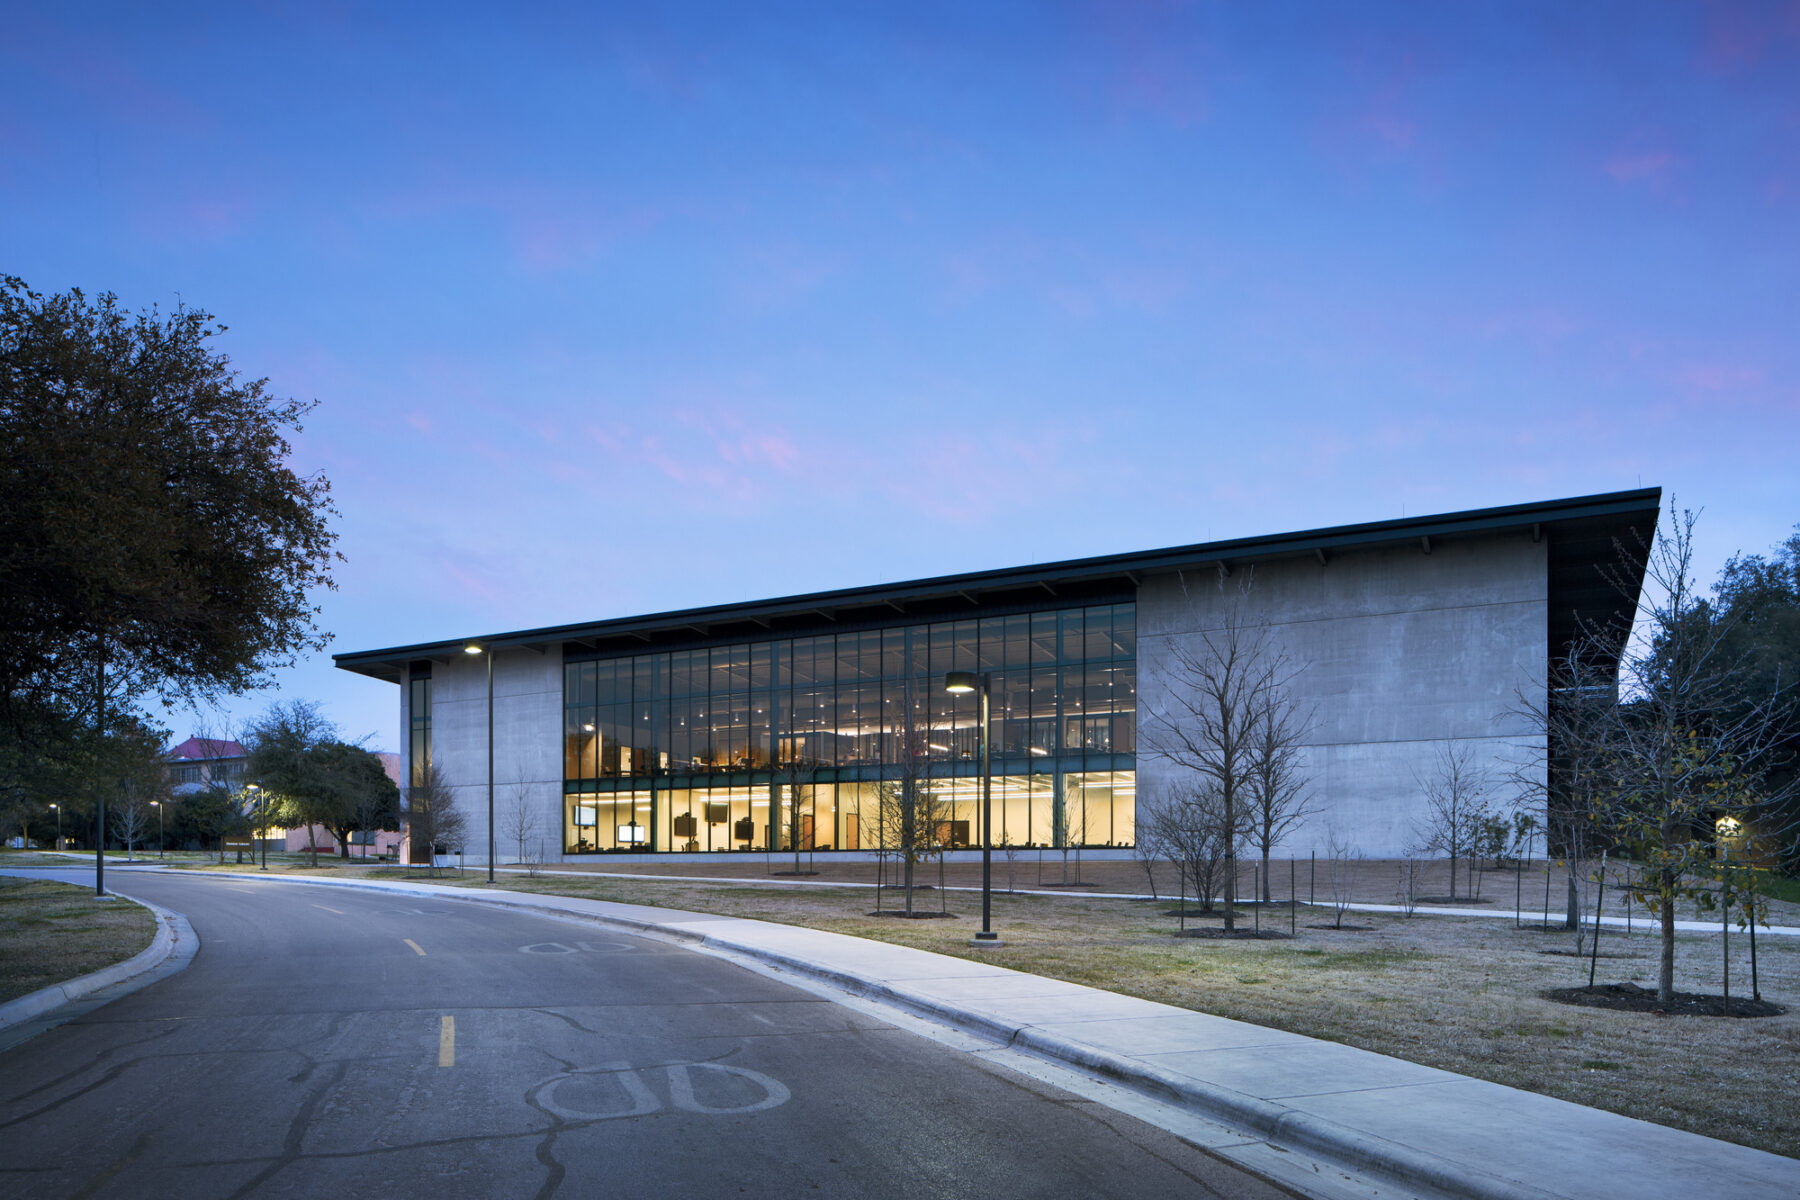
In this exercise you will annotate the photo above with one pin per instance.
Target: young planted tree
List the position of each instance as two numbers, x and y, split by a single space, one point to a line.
519 817
1221 681
1344 859
1455 788
1147 849
1278 785
1689 748
793 778
433 820
1068 833
131 814
1560 770
910 811
1190 825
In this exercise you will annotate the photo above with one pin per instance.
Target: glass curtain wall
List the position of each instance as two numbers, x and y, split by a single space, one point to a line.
418 707
785 743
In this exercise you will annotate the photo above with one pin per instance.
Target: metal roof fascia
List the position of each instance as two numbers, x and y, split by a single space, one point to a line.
1241 551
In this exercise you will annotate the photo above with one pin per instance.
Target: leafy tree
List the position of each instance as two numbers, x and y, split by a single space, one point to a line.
157 541
1692 744
353 791
1757 600
197 820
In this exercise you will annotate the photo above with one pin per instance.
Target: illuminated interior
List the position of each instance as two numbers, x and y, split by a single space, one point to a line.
765 745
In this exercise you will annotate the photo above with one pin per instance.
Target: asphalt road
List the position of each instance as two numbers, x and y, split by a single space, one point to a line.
334 1043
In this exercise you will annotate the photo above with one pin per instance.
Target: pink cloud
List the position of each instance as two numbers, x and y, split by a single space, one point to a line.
1740 36
1653 165
1718 377
419 421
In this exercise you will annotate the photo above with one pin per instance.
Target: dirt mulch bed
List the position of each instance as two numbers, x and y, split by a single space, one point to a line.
1345 928
1457 900
1266 935
1629 997
914 916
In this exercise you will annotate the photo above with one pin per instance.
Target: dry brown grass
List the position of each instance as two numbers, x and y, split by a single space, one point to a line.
52 932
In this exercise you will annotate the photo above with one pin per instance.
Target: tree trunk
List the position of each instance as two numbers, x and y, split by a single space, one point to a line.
1265 874
1665 971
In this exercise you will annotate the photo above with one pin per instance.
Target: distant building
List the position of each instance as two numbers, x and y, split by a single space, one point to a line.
201 764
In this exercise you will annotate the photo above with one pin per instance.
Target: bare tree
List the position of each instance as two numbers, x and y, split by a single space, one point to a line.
794 776
1687 750
432 816
1455 787
131 814
1220 681
1561 771
910 811
1147 849
1278 797
1190 824
1344 859
1068 831
519 819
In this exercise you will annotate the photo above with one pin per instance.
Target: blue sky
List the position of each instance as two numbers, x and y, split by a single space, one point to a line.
616 309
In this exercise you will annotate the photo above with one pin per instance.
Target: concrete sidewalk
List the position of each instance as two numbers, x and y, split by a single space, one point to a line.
1386 1121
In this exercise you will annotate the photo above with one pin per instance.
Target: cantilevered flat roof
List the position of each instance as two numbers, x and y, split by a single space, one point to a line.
1597 546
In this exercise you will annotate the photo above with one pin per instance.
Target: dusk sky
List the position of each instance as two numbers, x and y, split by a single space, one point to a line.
625 308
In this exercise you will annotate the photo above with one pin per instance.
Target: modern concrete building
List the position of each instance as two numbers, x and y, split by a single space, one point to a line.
753 726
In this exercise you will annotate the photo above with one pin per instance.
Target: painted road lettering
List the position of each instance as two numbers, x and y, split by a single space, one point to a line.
589 947
612 1091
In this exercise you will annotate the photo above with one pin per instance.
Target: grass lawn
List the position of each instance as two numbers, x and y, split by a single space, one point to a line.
51 932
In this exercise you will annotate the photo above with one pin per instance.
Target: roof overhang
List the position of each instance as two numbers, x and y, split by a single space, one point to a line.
1597 547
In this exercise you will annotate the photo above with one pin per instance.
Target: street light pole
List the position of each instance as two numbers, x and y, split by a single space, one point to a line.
58 809
475 648
157 805
262 813
961 683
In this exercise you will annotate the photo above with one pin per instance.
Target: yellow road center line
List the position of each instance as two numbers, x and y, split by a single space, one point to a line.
447 1043
328 908
416 948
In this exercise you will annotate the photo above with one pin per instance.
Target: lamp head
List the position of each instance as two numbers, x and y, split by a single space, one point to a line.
472 648
960 683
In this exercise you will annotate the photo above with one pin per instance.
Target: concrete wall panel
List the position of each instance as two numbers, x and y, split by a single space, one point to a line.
1400 652
527 742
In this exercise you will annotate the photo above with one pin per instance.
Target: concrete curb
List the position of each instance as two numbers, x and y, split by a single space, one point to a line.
1356 1152
173 947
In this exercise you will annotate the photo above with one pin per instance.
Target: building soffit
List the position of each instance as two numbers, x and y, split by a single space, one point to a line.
1596 560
